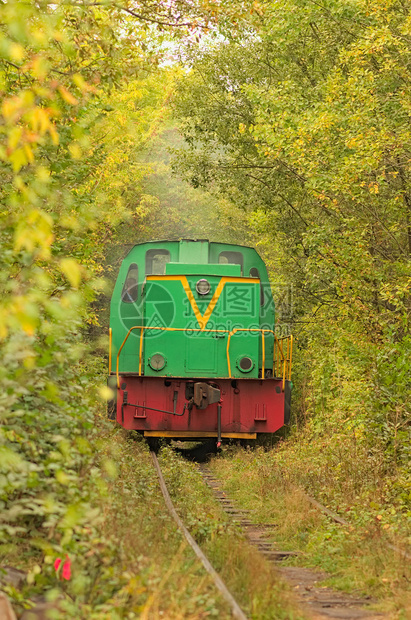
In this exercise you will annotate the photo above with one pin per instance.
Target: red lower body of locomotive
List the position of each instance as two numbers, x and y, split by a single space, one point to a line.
184 408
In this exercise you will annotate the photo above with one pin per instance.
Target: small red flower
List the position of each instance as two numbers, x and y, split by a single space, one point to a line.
66 574
57 564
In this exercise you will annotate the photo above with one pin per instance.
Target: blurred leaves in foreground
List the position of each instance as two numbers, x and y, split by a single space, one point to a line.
82 94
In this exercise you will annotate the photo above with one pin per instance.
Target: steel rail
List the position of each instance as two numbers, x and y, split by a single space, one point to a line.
235 608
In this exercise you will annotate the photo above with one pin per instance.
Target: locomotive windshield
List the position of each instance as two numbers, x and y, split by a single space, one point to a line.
232 258
254 273
156 261
130 289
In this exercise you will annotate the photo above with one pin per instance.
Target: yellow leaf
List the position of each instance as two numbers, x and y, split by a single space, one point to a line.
79 81
40 120
17 52
3 327
40 67
62 477
36 230
72 270
14 137
53 133
27 98
26 318
39 36
111 468
69 221
58 35
29 361
11 108
43 174
106 393
67 96
75 150
29 153
18 159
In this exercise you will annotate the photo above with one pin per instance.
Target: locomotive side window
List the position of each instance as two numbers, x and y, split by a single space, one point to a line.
254 273
232 258
156 261
130 289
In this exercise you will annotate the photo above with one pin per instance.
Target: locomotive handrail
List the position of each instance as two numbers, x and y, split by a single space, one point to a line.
278 353
278 348
167 329
286 359
247 329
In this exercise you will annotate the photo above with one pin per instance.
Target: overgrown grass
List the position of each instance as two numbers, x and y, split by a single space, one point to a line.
131 561
251 578
164 578
271 483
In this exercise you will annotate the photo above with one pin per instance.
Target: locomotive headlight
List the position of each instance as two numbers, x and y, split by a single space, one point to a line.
157 361
203 287
245 364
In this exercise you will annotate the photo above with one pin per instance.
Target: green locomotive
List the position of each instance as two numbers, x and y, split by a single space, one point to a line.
193 353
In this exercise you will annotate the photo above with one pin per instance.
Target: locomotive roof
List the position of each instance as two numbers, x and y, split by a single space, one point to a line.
159 241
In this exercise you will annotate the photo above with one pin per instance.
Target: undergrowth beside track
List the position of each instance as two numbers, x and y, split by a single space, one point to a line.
163 577
128 560
271 483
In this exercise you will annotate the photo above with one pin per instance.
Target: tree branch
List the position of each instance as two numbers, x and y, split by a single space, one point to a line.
151 20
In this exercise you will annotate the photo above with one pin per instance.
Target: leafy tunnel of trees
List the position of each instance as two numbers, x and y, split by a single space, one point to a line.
285 125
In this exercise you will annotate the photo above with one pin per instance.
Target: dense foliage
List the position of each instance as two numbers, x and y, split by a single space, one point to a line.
303 120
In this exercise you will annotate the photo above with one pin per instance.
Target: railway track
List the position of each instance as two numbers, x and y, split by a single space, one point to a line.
316 601
236 610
